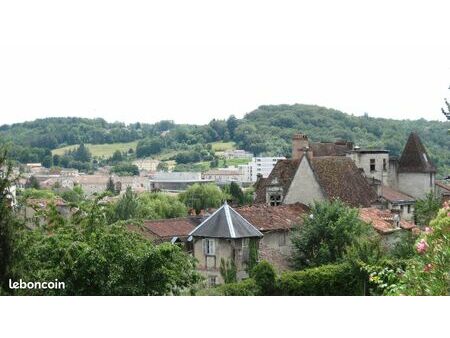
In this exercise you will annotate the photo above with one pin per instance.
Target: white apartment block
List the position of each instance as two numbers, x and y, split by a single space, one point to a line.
258 165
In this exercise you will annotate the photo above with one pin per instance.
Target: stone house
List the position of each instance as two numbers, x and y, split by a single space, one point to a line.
223 236
306 179
398 202
442 190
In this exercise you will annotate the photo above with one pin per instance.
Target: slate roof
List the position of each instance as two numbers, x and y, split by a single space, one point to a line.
225 222
341 179
395 196
415 158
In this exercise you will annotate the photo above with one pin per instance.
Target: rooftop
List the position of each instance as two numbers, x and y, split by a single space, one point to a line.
392 195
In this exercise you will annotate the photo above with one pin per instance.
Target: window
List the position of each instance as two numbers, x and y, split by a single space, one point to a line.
212 281
209 247
409 208
275 200
282 239
372 164
384 164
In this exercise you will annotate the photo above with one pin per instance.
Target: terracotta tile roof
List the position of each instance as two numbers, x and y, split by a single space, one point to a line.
269 218
392 195
414 157
167 228
337 175
443 185
341 179
382 220
283 172
260 190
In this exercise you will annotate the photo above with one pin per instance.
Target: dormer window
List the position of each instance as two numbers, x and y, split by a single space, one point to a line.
275 199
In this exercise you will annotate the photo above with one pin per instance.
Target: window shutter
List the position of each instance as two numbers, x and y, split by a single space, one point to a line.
213 247
205 246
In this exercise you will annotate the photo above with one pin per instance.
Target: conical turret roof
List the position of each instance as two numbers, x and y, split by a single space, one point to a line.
415 158
226 222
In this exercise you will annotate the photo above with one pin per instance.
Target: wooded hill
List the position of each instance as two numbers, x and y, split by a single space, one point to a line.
264 131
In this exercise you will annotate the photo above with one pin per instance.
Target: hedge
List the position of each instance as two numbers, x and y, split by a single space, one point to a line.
325 280
246 287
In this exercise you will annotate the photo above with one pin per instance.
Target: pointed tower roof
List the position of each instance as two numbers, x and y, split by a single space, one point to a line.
226 222
415 158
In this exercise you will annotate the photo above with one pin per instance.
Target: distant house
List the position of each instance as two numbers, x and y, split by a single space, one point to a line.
147 164
442 190
399 202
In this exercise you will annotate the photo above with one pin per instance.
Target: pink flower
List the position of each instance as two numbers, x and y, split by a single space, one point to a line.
428 230
422 246
446 205
428 267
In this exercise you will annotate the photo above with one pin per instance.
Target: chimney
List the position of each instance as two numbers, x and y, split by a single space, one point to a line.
300 144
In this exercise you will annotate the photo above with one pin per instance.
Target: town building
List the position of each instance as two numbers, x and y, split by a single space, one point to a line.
306 179
223 175
175 181
398 202
223 237
150 165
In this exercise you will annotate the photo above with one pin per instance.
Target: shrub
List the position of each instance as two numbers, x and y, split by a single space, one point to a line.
326 280
246 287
265 277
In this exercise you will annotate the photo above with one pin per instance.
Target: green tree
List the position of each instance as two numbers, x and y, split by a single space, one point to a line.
110 186
160 206
127 206
82 154
426 209
203 196
117 157
6 219
94 258
32 183
265 277
326 233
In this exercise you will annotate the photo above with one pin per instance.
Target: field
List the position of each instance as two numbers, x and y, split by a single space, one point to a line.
222 146
100 150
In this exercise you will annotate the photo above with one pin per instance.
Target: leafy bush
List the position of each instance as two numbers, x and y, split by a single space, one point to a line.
428 273
326 280
326 233
247 287
265 277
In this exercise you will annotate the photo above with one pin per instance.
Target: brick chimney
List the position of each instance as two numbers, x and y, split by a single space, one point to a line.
300 145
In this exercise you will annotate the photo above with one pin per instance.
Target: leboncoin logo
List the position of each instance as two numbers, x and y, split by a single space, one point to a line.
37 285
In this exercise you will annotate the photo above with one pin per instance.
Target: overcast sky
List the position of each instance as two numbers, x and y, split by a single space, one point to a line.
191 61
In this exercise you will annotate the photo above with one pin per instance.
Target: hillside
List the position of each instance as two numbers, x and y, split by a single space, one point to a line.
266 131
99 150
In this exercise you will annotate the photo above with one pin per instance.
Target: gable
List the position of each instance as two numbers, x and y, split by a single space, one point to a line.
304 187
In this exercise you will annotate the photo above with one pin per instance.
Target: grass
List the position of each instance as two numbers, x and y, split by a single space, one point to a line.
233 162
223 146
100 150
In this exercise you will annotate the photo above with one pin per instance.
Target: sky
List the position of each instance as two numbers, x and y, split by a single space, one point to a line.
192 61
